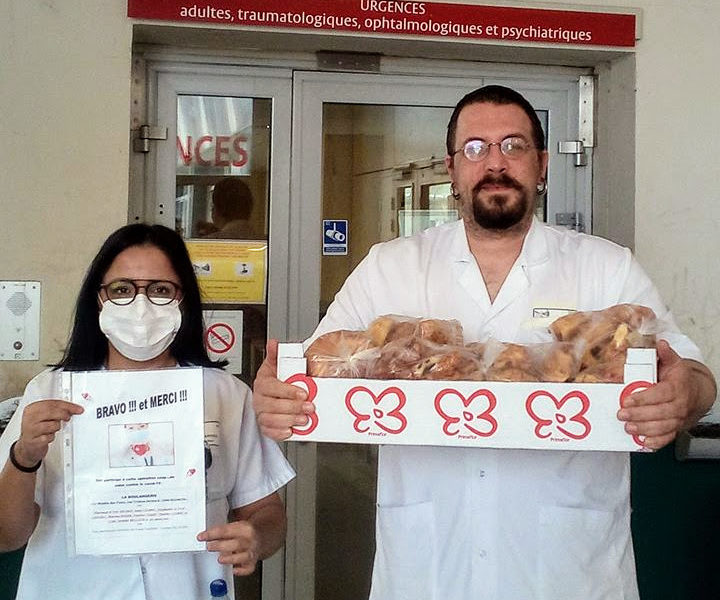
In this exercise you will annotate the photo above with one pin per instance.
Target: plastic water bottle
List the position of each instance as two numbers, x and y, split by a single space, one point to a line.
218 589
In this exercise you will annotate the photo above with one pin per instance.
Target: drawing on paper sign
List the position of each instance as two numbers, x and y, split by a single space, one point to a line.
559 419
382 410
473 413
333 233
220 338
243 269
203 268
141 444
311 389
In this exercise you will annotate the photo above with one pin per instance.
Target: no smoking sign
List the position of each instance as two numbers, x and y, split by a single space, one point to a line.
223 337
220 338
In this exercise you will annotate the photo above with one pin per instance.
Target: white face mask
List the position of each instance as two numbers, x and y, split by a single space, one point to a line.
140 330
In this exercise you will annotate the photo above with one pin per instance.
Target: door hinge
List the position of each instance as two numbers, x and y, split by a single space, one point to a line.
573 220
575 147
145 133
586 127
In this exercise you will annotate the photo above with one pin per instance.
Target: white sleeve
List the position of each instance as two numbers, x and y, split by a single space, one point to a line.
353 306
39 388
638 288
261 467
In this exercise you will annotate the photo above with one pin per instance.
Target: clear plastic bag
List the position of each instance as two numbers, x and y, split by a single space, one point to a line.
342 353
603 337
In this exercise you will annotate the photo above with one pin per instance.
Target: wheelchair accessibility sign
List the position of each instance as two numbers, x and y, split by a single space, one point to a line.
335 236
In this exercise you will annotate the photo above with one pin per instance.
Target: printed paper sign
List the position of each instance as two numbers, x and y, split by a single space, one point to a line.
224 337
229 272
134 461
335 236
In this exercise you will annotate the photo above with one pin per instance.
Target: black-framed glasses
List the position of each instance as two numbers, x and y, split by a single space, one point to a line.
512 147
124 291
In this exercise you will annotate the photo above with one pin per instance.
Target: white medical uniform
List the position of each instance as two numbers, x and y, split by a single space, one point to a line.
486 524
245 467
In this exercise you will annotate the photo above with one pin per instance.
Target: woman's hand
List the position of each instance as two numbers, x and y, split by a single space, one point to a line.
256 532
236 543
41 420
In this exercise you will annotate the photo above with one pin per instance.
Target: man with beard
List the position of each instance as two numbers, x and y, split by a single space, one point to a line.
503 524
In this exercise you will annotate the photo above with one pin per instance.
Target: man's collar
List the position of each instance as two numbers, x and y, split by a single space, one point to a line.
534 250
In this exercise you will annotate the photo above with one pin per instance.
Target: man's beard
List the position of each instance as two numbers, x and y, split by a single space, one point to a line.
501 214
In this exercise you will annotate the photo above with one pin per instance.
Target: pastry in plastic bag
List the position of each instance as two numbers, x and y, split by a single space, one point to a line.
509 362
341 354
399 359
603 337
389 328
451 364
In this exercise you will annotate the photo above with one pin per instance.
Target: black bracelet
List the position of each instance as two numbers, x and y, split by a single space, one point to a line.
18 466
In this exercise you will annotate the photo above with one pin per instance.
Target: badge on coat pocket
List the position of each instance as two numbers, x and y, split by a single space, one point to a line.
541 319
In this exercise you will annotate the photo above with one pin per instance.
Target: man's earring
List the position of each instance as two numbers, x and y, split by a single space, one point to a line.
541 187
454 192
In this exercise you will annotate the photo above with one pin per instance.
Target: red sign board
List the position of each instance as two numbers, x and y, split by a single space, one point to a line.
400 17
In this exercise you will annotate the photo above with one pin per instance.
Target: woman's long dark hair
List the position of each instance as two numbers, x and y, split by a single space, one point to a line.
88 347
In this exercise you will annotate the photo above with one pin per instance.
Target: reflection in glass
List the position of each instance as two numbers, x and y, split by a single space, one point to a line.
379 162
222 194
223 151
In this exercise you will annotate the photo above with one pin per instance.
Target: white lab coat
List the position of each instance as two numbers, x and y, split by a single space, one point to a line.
485 524
245 467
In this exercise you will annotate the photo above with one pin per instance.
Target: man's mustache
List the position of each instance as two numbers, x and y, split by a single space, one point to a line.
502 179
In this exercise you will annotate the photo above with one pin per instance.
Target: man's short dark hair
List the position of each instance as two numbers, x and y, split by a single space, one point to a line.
232 199
495 94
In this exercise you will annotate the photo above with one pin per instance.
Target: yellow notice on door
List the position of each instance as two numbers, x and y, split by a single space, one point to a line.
229 272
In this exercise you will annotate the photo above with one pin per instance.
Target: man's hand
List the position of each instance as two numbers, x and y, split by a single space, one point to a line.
684 392
41 420
278 405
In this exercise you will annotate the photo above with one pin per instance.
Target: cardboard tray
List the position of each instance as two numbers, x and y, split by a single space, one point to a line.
551 416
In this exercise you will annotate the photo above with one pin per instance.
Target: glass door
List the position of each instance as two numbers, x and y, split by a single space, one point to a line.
369 150
366 149
221 180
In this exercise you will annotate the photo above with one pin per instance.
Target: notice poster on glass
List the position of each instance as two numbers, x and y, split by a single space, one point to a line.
229 272
134 461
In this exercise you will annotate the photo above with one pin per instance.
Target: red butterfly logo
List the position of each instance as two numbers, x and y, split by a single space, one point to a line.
385 409
311 388
556 416
456 409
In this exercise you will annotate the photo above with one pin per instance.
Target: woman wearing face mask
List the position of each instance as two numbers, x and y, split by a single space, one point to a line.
139 308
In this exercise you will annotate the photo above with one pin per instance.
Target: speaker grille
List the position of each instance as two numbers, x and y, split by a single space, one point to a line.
18 303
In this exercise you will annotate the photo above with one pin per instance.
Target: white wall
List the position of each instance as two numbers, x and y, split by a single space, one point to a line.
64 167
677 162
678 165
64 119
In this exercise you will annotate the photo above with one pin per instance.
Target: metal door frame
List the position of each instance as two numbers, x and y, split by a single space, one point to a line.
295 188
167 80
311 89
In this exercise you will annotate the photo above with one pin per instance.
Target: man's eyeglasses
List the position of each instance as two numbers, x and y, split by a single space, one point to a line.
512 147
123 291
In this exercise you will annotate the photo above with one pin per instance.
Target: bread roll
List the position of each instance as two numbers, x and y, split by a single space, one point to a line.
451 365
341 354
512 363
